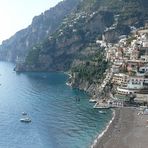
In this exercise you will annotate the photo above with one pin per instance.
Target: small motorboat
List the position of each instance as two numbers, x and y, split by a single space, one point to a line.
24 113
26 119
92 100
102 112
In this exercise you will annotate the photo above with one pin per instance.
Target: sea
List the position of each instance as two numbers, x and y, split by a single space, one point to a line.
61 117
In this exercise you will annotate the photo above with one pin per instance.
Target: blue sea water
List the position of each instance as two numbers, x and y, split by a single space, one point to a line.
58 120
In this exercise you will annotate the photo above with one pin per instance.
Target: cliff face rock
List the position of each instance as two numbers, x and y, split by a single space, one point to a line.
65 44
62 39
113 34
42 26
69 42
85 25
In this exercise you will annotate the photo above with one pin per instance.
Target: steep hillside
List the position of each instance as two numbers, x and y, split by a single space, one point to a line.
90 20
68 43
75 39
42 26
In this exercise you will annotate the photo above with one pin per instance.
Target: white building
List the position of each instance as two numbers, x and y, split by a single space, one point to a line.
124 91
144 39
120 79
143 69
135 83
144 58
115 69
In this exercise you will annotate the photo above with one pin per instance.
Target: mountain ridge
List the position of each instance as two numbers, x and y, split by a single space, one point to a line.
91 20
41 27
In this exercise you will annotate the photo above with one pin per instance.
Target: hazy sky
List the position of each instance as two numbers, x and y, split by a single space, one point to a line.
18 14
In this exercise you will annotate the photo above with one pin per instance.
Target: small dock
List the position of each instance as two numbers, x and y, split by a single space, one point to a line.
108 104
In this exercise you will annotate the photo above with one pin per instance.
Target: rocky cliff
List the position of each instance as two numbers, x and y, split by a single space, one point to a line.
16 47
69 42
90 20
73 45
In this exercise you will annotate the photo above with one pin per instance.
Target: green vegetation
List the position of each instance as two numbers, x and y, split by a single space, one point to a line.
75 38
92 68
33 56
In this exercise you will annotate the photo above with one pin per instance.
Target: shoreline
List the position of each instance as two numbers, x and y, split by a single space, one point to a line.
127 130
100 136
108 126
124 130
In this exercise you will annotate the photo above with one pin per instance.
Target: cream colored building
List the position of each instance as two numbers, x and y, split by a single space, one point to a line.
120 79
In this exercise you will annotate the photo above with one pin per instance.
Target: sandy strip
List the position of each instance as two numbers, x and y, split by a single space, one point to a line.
128 130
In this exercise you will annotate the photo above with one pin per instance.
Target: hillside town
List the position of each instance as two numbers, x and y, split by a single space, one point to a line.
126 81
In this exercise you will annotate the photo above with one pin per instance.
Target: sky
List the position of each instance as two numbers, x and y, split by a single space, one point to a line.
17 14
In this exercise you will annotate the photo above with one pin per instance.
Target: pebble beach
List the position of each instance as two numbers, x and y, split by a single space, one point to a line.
128 130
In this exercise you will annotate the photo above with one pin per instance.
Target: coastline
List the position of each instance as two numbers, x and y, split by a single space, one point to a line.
109 124
127 130
102 134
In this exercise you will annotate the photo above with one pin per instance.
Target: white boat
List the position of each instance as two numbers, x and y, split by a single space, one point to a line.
26 119
24 113
92 100
102 112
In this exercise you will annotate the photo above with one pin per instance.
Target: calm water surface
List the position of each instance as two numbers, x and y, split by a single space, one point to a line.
58 120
